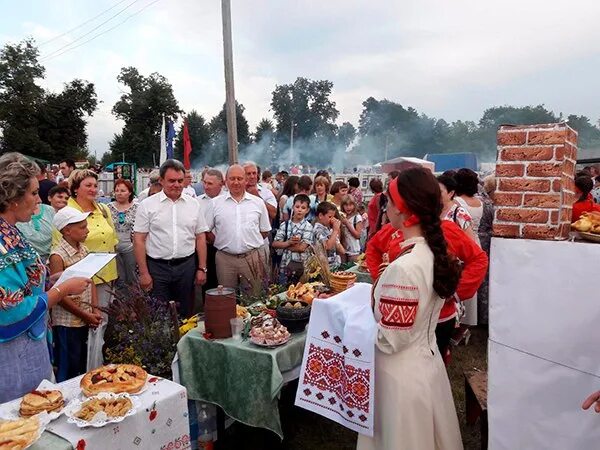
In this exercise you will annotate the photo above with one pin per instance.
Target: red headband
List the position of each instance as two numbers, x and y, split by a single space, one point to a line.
401 204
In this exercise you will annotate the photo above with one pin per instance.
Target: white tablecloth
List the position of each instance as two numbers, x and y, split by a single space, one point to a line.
160 423
337 378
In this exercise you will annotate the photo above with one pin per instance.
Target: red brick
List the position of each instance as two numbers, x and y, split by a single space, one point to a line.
564 230
511 137
557 185
568 198
541 200
560 152
566 183
569 167
504 199
544 169
571 151
540 232
554 216
522 215
546 137
527 154
504 230
510 170
523 185
566 214
572 136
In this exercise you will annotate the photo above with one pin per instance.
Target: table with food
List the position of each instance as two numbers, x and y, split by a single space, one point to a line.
587 227
115 406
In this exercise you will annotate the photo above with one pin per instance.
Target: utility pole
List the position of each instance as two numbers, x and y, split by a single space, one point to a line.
292 141
229 88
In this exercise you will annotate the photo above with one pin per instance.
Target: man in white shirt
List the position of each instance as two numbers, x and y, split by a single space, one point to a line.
187 184
240 223
169 240
153 179
254 188
213 186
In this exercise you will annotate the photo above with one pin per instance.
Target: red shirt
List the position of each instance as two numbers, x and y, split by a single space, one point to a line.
373 212
388 240
583 206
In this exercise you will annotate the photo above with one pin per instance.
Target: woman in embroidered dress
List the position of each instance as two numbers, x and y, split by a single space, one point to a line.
413 400
24 358
467 188
123 211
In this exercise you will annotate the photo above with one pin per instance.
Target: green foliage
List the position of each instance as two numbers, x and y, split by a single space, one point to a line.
217 149
141 109
264 130
34 121
199 136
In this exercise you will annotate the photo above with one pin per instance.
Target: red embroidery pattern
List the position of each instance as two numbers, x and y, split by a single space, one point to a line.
10 299
327 371
181 442
398 313
80 444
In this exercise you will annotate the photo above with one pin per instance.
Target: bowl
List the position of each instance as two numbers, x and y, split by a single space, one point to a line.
287 312
294 325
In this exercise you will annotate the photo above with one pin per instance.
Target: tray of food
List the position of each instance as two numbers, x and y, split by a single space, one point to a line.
102 409
19 434
115 378
266 331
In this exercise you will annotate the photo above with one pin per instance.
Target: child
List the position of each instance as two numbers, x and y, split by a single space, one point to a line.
75 314
294 236
327 231
362 210
353 225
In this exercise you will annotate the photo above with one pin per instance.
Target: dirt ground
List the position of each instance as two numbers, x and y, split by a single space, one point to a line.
304 430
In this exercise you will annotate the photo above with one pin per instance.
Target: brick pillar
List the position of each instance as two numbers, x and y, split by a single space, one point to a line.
535 187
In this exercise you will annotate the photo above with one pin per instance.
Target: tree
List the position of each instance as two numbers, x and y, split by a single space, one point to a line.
218 152
20 97
34 121
265 130
306 106
589 135
346 134
199 136
61 122
141 109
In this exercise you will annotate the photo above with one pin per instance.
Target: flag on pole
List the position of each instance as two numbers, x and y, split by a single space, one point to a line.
170 137
187 146
163 144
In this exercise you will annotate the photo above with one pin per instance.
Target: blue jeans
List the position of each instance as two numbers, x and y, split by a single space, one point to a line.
70 356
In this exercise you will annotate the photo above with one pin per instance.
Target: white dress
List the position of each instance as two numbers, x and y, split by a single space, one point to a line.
476 213
413 399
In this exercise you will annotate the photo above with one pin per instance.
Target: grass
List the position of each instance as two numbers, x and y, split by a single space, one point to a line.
304 430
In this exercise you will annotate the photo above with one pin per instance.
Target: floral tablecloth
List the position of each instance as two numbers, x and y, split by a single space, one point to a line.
243 379
160 423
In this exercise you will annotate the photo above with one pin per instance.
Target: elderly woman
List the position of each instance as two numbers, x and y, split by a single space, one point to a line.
123 211
24 357
102 238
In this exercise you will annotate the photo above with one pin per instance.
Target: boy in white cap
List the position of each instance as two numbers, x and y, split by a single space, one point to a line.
75 314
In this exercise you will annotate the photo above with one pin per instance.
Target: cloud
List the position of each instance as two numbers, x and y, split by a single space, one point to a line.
447 59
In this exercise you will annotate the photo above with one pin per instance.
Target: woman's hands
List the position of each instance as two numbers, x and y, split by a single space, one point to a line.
73 286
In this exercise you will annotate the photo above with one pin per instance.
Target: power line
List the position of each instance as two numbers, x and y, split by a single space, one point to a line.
49 57
81 24
90 32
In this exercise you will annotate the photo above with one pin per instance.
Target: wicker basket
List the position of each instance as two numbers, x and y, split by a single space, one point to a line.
340 281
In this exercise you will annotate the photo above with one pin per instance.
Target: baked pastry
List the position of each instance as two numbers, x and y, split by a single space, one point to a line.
114 378
37 401
18 434
112 407
267 330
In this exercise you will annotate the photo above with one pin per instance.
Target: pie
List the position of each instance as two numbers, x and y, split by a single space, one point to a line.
37 401
112 407
18 434
114 378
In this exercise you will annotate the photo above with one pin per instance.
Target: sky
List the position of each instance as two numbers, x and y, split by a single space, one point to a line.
447 59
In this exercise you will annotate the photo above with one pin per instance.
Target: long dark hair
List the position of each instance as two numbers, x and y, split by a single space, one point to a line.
585 184
290 186
421 193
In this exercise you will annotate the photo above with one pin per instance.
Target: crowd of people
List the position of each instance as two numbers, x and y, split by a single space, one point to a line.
426 241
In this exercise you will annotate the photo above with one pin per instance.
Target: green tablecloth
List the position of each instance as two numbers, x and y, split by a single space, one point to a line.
361 277
240 377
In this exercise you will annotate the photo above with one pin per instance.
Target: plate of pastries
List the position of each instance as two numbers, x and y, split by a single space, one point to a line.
101 409
267 331
19 434
40 401
588 226
115 378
